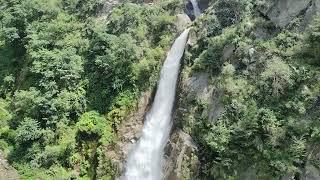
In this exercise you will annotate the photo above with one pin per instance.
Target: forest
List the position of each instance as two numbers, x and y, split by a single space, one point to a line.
72 73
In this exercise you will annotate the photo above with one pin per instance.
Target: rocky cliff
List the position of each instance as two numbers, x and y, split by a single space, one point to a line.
200 97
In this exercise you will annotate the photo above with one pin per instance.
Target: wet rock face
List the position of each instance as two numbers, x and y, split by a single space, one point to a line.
189 11
181 157
129 132
203 5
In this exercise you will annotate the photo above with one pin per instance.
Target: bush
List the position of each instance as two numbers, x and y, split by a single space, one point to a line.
92 124
277 76
313 41
28 131
211 58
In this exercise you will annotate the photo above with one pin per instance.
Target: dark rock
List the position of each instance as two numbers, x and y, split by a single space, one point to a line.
310 12
189 11
228 51
129 132
181 157
198 86
203 5
107 6
282 12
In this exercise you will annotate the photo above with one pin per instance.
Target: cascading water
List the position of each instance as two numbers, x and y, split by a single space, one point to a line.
196 9
144 162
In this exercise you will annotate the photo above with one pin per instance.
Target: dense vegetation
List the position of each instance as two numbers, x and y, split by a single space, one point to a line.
70 74
68 78
269 88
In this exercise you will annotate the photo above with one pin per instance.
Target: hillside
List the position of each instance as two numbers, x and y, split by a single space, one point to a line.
78 77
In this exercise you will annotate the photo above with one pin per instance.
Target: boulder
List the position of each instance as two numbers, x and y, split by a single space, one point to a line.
311 173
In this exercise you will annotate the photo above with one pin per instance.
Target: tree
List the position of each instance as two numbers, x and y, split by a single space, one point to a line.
313 40
28 131
277 76
91 124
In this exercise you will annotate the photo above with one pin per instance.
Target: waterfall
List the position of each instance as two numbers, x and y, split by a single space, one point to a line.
196 9
145 161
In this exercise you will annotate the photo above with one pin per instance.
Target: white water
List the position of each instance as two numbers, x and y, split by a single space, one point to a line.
196 9
145 161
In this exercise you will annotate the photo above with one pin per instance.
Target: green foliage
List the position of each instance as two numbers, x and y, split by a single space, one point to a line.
5 116
60 65
312 40
28 131
83 8
211 58
121 107
55 48
55 172
92 124
127 52
231 11
277 76
266 88
93 133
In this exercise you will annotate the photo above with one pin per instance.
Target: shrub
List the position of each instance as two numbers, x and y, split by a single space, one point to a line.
277 76
28 131
92 124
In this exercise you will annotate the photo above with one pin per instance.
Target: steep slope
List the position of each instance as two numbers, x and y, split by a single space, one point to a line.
249 93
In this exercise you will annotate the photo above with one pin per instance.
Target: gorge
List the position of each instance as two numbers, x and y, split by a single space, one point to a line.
145 161
152 90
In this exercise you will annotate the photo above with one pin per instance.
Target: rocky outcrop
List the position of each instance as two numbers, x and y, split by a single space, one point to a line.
312 167
181 152
282 12
181 157
106 8
198 88
189 10
129 132
6 171
108 5
203 4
